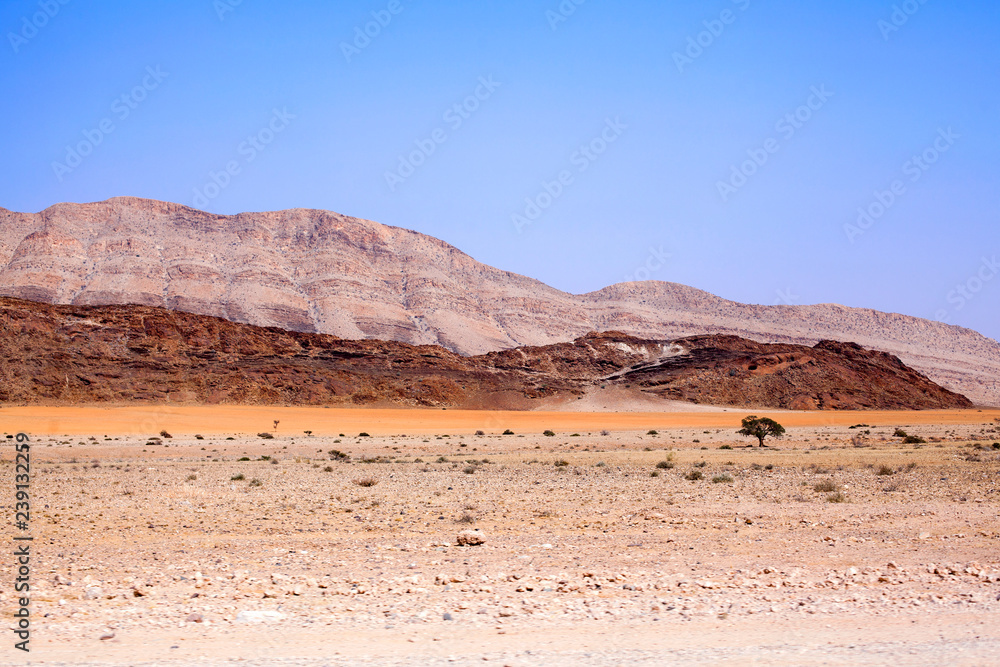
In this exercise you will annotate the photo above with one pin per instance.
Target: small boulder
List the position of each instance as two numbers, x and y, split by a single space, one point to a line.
471 538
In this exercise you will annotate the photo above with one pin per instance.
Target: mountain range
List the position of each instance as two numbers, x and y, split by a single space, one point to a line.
123 354
321 272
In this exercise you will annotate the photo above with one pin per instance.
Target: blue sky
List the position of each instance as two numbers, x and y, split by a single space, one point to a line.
728 145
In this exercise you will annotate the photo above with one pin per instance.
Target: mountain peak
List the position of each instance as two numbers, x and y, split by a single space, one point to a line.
311 270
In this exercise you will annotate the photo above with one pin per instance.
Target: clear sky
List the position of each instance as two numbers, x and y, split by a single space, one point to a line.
724 144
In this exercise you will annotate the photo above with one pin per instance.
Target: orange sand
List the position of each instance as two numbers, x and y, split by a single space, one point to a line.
189 420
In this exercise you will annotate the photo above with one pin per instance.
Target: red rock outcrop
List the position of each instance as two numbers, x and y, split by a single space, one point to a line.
75 354
317 271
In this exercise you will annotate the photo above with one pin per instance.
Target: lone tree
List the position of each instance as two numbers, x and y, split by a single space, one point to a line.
761 427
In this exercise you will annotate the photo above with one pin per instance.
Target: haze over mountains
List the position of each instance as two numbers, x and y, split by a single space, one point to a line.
318 271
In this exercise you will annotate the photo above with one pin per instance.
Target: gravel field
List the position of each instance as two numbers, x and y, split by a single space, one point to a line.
836 546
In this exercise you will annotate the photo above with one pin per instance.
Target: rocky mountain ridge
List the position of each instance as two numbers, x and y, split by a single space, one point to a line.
83 354
317 271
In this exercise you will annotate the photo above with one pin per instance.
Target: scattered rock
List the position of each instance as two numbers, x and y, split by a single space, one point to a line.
258 616
471 538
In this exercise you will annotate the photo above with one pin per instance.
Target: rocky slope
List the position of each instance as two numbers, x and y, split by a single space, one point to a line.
58 354
317 271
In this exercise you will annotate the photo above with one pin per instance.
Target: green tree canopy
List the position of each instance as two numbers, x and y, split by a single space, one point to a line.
760 428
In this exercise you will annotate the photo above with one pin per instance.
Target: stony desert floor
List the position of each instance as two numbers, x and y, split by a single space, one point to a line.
835 545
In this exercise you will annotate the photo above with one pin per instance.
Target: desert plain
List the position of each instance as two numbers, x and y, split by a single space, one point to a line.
623 538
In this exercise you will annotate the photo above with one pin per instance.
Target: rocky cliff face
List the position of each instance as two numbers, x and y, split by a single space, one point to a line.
72 354
317 271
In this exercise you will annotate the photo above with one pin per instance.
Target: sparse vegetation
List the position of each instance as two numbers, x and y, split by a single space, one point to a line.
469 470
825 486
899 433
561 463
243 458
726 447
480 432
548 433
884 471
837 497
164 434
256 482
694 476
365 482
913 440
508 432
651 432
238 477
337 455
665 465
724 478
265 435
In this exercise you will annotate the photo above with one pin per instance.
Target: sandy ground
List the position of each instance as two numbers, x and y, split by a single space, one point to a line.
598 548
216 420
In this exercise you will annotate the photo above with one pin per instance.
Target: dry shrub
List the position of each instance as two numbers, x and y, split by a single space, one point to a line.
825 486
